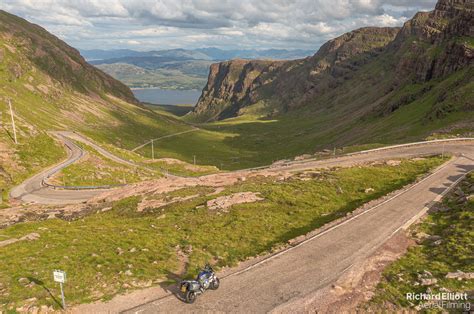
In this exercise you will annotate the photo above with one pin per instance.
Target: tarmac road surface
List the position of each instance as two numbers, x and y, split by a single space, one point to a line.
314 264
33 190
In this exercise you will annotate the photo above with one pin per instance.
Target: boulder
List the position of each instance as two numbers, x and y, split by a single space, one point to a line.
460 275
428 281
393 162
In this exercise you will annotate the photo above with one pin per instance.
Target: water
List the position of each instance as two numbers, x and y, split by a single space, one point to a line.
167 96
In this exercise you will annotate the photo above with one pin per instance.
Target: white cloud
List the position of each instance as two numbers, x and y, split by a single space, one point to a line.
230 31
157 24
151 31
388 20
133 42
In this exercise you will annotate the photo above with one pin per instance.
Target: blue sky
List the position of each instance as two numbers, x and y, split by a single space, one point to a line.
227 24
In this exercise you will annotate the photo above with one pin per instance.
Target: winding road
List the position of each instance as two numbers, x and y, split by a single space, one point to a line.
34 189
282 281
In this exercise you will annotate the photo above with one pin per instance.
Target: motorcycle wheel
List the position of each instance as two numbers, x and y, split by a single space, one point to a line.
190 297
215 284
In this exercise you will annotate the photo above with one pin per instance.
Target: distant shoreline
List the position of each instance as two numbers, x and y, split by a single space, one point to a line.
167 96
167 89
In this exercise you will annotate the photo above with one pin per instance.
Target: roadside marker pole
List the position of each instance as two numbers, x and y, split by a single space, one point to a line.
152 150
13 120
62 295
194 159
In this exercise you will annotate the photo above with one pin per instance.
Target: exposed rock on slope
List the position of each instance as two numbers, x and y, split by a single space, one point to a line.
236 84
437 43
371 72
232 82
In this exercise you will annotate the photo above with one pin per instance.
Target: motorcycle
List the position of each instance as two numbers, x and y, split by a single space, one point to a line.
206 279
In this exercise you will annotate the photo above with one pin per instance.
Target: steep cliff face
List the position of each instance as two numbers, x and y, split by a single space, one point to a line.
376 63
236 84
57 59
437 43
230 86
336 62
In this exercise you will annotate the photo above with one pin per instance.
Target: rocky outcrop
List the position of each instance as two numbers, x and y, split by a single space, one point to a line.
437 43
230 86
236 84
359 68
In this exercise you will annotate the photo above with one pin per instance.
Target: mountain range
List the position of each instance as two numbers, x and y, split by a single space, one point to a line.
174 68
371 83
370 86
209 53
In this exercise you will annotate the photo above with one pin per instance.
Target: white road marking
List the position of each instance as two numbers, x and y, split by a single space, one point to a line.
338 225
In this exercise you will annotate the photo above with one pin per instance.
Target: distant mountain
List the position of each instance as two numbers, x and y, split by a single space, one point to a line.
369 84
211 53
97 54
174 68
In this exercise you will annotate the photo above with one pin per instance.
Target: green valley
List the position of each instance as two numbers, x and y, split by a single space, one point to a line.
286 177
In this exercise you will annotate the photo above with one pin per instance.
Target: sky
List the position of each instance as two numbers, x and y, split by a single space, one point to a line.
227 24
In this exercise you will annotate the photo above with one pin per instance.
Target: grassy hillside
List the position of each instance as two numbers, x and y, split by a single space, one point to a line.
59 61
33 67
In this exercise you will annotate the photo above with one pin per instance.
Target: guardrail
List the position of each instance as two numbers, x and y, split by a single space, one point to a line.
69 144
72 187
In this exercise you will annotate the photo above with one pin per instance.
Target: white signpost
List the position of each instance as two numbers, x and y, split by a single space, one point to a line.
60 276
